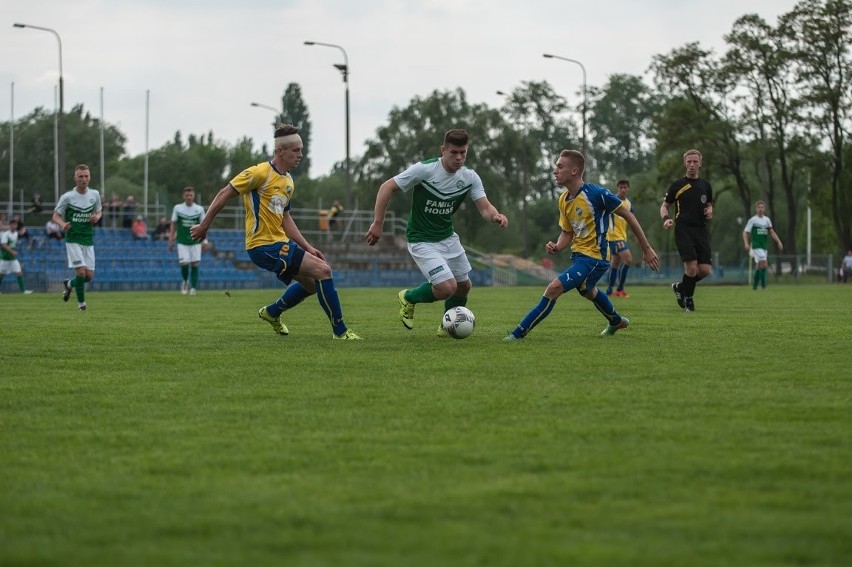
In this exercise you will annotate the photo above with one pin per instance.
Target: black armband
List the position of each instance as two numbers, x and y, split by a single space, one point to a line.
665 218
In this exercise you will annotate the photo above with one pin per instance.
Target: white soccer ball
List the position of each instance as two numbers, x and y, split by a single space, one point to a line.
459 322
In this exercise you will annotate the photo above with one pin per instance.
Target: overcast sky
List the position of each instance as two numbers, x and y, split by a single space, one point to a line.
204 62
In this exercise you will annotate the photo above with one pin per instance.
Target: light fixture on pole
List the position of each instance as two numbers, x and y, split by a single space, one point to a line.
344 70
60 130
585 93
266 106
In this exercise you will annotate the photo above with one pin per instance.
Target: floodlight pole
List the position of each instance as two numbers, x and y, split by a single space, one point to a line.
344 70
585 92
60 129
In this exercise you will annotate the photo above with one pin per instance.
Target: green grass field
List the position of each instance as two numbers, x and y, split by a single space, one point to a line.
159 429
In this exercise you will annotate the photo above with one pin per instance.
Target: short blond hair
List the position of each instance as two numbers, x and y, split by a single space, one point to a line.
693 153
577 159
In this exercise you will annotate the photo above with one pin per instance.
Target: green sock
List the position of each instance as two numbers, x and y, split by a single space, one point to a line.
184 271
20 283
763 277
420 294
80 287
454 301
193 277
754 279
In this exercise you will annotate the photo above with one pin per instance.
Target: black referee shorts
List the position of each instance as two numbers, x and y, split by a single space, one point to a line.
693 243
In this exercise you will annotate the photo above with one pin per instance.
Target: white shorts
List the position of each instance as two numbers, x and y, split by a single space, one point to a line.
10 267
80 256
759 254
441 261
189 253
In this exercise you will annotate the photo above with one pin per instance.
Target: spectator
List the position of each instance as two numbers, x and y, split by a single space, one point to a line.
846 266
139 229
4 222
161 232
35 206
333 212
129 211
52 229
22 230
114 210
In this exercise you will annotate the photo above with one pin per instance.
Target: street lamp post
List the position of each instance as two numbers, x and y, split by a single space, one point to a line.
60 130
344 70
585 93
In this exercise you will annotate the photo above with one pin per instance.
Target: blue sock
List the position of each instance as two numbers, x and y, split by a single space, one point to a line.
330 303
292 296
613 274
622 275
534 317
604 305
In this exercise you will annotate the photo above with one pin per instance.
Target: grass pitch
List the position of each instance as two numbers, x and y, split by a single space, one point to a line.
160 429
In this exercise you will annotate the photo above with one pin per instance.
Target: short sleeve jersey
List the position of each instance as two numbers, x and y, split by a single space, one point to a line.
758 229
77 208
10 239
436 195
266 195
184 218
587 215
618 224
690 196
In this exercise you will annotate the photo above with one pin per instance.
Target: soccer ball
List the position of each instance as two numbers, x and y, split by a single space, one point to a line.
459 322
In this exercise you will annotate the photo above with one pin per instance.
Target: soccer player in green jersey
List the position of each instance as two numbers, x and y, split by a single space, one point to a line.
755 234
77 212
437 186
9 263
184 216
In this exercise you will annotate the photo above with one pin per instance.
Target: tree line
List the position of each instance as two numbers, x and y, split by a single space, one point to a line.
771 115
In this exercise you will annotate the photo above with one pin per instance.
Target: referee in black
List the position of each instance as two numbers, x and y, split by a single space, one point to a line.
693 200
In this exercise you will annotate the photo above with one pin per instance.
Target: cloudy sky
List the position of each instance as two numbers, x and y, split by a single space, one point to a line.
204 62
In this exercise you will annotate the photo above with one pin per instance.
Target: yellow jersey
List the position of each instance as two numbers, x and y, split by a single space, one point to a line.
587 215
618 224
266 195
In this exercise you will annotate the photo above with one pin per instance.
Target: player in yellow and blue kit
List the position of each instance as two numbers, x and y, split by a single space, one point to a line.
584 211
619 250
273 241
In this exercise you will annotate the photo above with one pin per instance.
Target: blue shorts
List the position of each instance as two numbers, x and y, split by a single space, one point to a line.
583 273
282 258
616 246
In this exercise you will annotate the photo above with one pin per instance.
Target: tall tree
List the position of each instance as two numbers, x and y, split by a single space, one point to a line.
699 112
621 123
761 60
34 155
821 33
295 112
537 130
